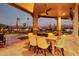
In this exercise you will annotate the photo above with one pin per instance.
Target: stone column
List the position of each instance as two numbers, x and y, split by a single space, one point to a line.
35 18
35 23
59 25
75 21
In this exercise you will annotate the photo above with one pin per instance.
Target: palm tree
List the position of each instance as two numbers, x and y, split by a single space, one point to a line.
24 25
17 23
27 22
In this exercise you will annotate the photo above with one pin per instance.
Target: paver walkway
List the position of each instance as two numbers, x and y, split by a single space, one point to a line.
18 48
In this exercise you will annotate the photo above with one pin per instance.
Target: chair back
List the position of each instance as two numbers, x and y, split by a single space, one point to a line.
42 42
50 34
61 41
32 40
30 34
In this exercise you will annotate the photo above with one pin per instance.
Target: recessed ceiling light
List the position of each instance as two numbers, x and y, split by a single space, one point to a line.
63 13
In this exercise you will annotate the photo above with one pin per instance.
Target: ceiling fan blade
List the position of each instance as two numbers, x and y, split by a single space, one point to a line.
49 9
46 13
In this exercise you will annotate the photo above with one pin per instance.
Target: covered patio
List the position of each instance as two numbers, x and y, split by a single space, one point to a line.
51 10
58 11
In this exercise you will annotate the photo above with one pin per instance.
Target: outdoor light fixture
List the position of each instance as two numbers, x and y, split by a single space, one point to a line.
71 13
63 13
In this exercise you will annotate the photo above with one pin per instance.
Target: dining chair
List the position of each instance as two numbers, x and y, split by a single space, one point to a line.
60 43
50 34
43 46
30 34
32 42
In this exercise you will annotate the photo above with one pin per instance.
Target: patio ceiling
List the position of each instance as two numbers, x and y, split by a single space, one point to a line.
46 9
27 7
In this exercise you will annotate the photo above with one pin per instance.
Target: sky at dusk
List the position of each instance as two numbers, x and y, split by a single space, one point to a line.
8 15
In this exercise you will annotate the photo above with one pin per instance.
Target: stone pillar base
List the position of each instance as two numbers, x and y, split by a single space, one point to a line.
59 32
35 32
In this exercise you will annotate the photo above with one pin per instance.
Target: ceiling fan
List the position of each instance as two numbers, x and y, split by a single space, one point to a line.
47 10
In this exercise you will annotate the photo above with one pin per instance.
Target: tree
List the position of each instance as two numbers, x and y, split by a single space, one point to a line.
24 25
27 22
17 25
27 18
3 25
